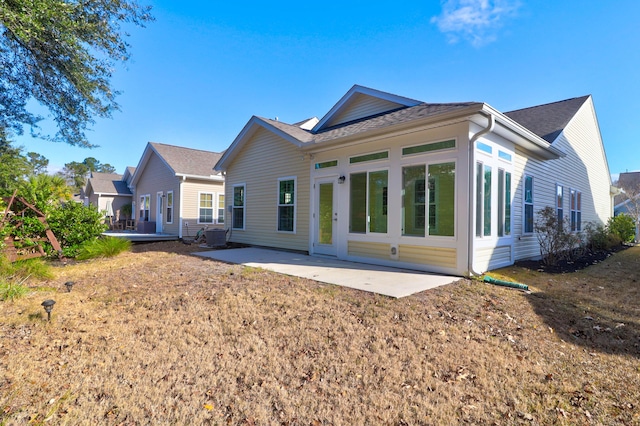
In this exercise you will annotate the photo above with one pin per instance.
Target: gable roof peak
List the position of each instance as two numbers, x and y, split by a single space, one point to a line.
548 120
361 101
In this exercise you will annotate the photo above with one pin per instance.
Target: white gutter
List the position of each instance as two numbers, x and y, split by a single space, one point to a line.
214 178
180 199
472 165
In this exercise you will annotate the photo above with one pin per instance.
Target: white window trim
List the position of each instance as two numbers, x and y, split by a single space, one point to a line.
377 160
435 151
368 213
146 196
556 202
295 203
173 210
213 209
244 206
574 192
220 207
524 205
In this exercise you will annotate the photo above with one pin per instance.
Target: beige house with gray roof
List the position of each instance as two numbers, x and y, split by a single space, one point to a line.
176 191
444 187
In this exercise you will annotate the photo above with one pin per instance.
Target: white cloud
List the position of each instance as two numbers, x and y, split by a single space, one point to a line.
474 20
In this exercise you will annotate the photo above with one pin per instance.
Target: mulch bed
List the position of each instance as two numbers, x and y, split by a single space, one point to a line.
591 257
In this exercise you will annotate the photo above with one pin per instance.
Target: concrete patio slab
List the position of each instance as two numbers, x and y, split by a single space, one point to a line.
377 279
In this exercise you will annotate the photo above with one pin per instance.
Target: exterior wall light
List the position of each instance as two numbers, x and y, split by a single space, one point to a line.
341 179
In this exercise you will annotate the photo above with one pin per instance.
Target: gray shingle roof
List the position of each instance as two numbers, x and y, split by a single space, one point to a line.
108 183
629 180
630 183
378 121
548 120
187 161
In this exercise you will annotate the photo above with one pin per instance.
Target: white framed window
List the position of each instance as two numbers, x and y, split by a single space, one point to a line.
220 208
145 207
528 204
205 207
504 203
576 210
368 202
483 199
287 204
169 206
238 215
559 205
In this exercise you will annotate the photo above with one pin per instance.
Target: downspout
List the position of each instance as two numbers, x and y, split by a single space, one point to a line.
180 199
472 166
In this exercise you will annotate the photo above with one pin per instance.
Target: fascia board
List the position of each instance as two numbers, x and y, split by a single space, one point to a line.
522 136
141 164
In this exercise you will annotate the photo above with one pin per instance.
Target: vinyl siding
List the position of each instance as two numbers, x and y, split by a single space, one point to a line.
359 107
488 258
263 159
158 177
584 168
191 205
438 256
369 250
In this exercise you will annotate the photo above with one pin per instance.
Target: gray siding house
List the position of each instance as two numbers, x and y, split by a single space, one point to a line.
176 191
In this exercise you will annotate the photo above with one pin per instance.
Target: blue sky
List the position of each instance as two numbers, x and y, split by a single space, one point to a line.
203 68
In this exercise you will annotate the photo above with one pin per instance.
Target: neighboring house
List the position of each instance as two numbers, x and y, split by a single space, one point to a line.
177 191
451 188
109 192
628 201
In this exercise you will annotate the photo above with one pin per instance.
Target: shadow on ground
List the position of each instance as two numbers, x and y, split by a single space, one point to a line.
596 307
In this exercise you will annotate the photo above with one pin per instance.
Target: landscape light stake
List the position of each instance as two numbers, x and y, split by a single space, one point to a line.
48 307
69 285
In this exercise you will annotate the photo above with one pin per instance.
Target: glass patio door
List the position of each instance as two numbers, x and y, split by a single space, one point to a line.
325 218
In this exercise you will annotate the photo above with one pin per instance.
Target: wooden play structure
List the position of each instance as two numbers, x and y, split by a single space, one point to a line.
19 249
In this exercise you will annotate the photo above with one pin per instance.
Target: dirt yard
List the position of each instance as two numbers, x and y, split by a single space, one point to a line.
157 336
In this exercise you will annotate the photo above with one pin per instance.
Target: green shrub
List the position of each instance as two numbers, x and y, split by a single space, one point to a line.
73 224
600 237
556 240
103 247
623 226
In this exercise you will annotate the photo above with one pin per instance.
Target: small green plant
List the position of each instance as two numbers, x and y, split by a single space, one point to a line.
103 247
623 226
36 268
12 290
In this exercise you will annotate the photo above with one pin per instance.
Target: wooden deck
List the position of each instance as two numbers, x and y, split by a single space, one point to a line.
137 237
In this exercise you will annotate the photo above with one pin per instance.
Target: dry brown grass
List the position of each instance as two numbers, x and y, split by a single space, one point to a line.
157 337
